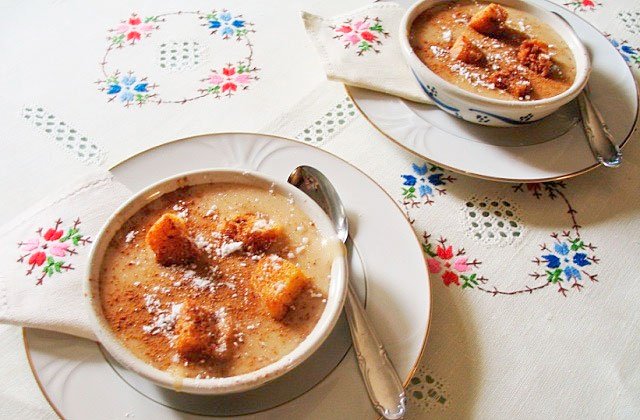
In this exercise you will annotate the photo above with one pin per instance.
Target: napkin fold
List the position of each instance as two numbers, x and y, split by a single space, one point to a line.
361 48
45 255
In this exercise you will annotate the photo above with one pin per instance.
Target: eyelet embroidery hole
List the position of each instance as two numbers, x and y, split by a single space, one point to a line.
67 137
427 392
330 124
175 56
492 221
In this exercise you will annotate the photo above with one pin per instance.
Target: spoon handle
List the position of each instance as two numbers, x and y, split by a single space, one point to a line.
382 382
597 133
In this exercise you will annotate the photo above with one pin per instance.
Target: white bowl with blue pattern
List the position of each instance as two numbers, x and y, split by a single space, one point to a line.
482 110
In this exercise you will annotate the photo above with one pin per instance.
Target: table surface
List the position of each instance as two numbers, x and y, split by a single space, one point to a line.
516 342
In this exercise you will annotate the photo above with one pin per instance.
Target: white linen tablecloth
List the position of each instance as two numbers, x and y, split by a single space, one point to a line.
87 84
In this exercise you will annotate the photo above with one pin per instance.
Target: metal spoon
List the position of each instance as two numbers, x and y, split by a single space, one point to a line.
597 133
595 129
383 384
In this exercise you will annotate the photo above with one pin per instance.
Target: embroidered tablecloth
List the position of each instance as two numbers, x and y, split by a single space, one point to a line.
534 302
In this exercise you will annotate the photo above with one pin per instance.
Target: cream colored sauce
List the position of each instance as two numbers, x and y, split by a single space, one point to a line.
436 29
131 281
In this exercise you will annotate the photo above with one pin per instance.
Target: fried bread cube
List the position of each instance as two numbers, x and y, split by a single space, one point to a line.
535 55
278 282
511 81
490 20
466 51
255 231
202 333
169 240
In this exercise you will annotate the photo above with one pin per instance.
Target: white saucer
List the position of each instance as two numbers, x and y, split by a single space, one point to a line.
386 265
550 149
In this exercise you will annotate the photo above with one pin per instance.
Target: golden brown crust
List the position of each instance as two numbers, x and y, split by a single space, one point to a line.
255 232
466 51
169 240
490 20
278 282
534 54
511 81
203 334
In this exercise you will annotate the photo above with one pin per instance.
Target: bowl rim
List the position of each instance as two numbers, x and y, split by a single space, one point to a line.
214 386
576 87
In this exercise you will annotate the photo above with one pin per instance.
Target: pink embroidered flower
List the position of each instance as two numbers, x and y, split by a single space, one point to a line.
41 251
364 34
133 28
229 80
452 264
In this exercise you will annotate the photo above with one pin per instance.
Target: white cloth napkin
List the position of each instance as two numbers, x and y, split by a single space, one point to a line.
361 48
45 255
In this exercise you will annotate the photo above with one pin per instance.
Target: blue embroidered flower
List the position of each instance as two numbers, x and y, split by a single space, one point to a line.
436 179
424 179
409 180
425 190
566 259
629 53
126 89
228 25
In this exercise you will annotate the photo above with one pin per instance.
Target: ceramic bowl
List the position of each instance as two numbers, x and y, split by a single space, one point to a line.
216 386
489 111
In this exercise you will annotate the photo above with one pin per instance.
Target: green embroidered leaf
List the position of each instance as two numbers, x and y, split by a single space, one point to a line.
50 260
151 19
58 266
76 239
427 249
469 281
577 244
241 32
377 27
554 276
409 192
212 16
118 39
365 46
70 233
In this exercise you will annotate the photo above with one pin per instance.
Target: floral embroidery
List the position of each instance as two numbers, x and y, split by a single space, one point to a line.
229 80
227 25
565 263
364 34
452 266
132 30
421 185
583 5
49 248
630 54
565 260
130 89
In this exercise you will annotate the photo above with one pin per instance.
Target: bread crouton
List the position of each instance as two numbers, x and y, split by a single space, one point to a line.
511 81
278 282
534 54
169 240
203 334
466 51
255 231
490 20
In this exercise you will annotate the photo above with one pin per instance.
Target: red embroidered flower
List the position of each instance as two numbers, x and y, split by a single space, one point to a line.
52 234
134 28
345 29
368 36
588 3
449 277
37 258
445 253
